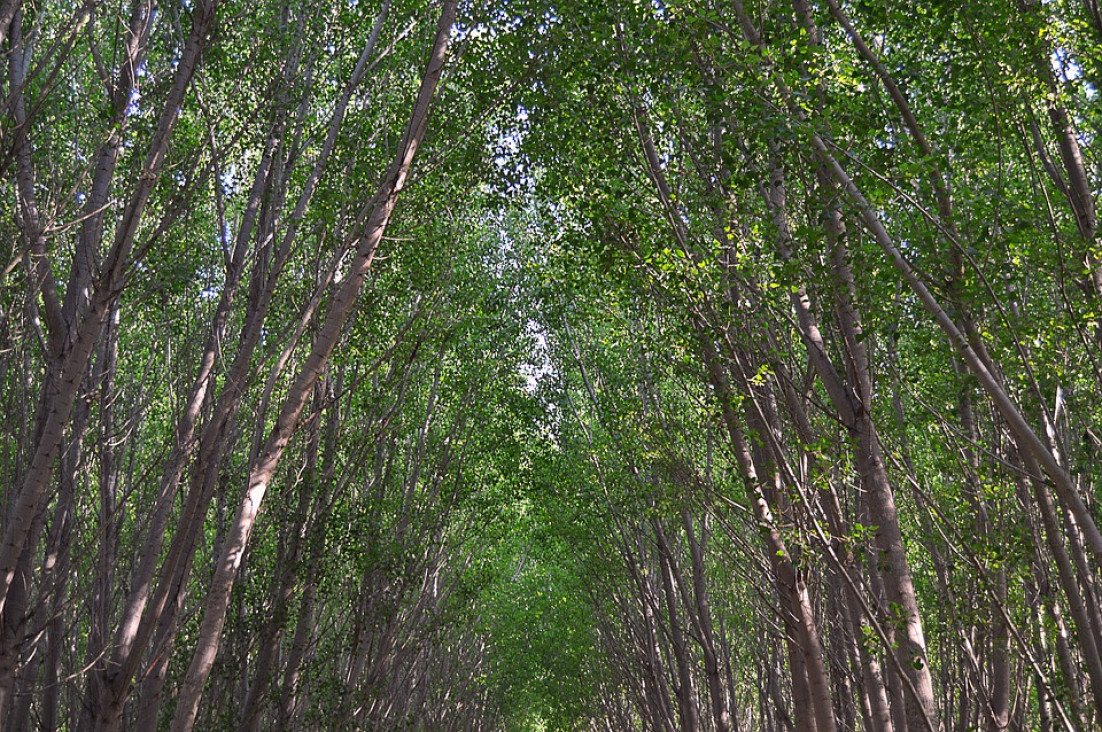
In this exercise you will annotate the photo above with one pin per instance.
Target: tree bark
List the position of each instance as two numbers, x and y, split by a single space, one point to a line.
63 382
263 471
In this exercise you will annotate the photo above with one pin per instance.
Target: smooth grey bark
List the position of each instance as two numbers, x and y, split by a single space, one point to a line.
688 713
304 548
717 693
1084 627
807 662
1023 432
367 239
63 382
818 711
141 619
851 397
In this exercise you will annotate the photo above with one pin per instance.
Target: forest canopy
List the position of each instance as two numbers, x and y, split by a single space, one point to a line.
531 365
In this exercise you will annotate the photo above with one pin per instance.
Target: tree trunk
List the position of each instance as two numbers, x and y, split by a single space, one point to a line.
263 471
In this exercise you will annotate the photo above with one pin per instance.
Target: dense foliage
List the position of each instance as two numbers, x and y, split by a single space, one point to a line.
550 366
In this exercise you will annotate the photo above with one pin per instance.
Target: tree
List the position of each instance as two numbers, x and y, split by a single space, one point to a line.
445 365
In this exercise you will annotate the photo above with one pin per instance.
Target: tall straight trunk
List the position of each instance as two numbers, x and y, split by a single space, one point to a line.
851 397
1001 659
1025 436
1065 662
263 471
810 655
1075 187
802 703
1074 181
290 702
58 573
805 643
142 615
686 698
72 462
721 715
289 707
1065 572
659 697
108 532
876 705
648 627
150 691
899 588
13 629
41 281
857 416
144 572
893 677
1085 575
40 273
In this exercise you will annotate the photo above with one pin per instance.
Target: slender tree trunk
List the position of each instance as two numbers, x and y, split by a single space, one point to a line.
264 470
62 382
686 698
283 583
140 620
799 613
291 701
721 715
1084 629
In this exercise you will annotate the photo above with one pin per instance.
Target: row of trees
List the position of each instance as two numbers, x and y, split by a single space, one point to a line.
857 317
723 367
198 192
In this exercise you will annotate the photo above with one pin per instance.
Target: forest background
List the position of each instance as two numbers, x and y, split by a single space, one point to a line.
522 365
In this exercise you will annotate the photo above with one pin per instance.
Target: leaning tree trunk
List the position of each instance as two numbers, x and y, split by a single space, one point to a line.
263 471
